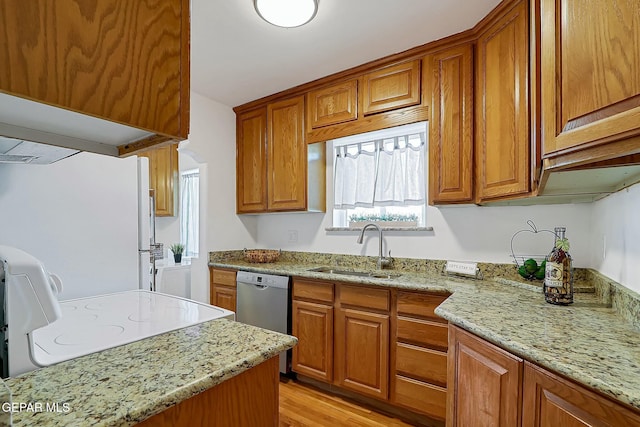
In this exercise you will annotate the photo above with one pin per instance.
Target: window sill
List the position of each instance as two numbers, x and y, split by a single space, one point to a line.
358 229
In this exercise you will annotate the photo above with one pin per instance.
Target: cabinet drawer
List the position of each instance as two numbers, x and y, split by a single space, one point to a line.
422 363
423 332
360 296
420 304
422 397
312 290
223 277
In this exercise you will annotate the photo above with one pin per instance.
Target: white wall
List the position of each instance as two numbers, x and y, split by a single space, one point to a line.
212 143
81 223
465 233
615 237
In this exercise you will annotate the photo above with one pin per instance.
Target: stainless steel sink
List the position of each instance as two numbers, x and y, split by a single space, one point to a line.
374 274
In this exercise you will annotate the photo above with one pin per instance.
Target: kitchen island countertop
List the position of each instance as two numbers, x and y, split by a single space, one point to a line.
588 342
128 384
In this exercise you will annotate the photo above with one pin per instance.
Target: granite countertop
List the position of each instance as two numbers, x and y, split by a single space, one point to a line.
588 341
127 384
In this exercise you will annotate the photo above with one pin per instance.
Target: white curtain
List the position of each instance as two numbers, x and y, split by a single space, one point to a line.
189 212
386 172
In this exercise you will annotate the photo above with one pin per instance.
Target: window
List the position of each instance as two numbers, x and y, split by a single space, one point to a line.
190 211
381 176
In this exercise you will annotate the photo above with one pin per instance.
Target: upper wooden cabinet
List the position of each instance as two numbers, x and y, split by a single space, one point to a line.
392 87
276 170
590 76
448 80
502 131
163 177
126 62
287 155
251 161
334 104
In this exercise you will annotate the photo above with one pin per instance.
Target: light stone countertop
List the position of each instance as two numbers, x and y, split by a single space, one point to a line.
128 384
587 341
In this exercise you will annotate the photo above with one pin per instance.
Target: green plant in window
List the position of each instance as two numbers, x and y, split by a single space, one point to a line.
382 217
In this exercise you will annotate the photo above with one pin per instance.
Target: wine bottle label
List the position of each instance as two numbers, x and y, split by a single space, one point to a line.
553 275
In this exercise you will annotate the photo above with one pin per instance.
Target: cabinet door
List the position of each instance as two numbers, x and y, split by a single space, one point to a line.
362 352
287 156
551 401
484 383
123 61
590 73
251 161
448 79
163 177
331 105
224 297
312 324
392 87
503 149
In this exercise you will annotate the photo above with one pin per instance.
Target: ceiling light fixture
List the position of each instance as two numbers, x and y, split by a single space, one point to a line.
286 13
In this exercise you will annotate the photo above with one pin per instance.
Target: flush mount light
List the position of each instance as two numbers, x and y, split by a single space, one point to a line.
286 13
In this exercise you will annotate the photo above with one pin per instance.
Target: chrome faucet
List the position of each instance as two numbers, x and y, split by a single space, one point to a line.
382 261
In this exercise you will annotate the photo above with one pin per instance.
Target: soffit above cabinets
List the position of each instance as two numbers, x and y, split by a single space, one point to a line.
32 121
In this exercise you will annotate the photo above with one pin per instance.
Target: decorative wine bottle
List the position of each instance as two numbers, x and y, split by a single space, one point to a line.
558 277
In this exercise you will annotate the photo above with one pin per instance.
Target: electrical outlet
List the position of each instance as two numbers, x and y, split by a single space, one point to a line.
459 267
293 236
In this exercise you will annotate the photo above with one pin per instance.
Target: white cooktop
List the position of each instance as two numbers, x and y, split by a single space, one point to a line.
93 324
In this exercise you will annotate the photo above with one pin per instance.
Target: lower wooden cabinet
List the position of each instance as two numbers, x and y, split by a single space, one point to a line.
376 342
222 288
419 351
488 386
362 352
550 400
313 326
485 383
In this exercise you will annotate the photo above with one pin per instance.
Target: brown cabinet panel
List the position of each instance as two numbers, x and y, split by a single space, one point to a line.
313 326
163 177
362 296
251 161
420 304
313 290
421 397
334 104
391 87
287 156
126 62
422 332
421 363
362 352
448 78
484 383
224 277
502 138
590 79
224 297
550 401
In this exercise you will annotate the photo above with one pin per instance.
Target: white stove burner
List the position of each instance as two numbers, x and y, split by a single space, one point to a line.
96 335
89 325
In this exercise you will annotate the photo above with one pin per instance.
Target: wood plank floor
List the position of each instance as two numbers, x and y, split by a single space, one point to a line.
302 405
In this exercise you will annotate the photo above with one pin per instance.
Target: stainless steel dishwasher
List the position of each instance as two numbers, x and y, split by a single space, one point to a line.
263 301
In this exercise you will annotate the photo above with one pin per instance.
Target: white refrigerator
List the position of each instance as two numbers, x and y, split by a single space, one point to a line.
87 218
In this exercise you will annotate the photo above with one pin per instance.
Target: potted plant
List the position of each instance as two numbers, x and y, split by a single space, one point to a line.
177 249
384 220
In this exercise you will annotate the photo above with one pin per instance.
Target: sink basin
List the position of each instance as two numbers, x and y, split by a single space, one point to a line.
374 274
